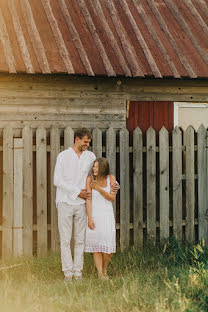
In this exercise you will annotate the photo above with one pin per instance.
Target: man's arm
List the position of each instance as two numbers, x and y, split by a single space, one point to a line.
115 187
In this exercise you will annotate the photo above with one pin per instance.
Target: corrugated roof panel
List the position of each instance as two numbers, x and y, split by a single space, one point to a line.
159 38
104 18
85 26
3 64
155 57
7 16
190 34
58 56
84 63
100 28
135 37
183 34
27 39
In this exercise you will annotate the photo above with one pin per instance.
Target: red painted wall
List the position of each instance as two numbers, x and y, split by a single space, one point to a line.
145 114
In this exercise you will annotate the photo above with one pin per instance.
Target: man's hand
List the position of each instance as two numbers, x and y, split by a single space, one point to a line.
91 224
84 194
115 187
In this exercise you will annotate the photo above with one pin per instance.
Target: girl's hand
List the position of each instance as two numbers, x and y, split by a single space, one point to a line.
95 186
91 224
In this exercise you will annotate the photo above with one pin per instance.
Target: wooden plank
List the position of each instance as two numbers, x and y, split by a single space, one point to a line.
190 184
125 188
131 225
202 183
18 198
151 183
138 187
177 183
103 83
164 182
8 194
27 136
97 142
41 185
95 90
55 149
68 137
66 106
61 124
132 95
111 154
62 117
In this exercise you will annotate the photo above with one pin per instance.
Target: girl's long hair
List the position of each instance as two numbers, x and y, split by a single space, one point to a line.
104 170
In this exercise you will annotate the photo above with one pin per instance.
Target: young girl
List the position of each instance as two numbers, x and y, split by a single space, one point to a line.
101 232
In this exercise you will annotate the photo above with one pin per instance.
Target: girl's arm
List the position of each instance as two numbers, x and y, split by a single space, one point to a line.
91 224
109 196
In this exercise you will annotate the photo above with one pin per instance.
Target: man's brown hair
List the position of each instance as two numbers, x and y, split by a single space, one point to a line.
103 168
81 132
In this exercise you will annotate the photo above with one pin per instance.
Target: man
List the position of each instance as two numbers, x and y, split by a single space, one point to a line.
72 168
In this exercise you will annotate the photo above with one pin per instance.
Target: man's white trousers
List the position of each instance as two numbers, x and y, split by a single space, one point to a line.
72 216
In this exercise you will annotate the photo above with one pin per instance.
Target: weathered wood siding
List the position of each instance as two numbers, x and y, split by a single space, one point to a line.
62 100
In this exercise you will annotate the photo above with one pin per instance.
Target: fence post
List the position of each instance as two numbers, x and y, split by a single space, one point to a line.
124 191
8 193
111 154
151 183
202 183
55 149
164 182
97 142
41 182
138 187
18 196
27 136
68 137
190 184
177 183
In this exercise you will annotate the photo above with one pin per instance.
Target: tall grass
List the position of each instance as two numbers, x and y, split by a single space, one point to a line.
172 277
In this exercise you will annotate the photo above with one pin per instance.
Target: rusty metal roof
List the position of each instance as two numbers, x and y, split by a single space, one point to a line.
132 38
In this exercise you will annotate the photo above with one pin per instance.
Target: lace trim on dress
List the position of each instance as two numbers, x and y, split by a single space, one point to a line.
103 249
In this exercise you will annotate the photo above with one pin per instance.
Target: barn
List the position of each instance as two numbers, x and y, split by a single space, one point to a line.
111 66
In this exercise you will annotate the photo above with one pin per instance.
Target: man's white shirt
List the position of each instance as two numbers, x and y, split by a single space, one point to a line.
70 175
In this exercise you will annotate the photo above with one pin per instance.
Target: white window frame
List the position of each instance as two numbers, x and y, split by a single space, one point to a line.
186 105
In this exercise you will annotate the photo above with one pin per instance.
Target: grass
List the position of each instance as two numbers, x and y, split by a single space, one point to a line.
173 277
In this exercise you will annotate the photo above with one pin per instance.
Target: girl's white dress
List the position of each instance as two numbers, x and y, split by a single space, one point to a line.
103 237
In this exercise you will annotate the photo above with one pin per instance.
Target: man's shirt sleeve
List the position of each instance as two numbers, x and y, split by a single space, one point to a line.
61 182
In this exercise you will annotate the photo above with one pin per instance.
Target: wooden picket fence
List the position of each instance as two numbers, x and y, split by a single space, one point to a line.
163 185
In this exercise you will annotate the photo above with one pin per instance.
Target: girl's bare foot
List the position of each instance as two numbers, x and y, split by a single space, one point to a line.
103 276
100 275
